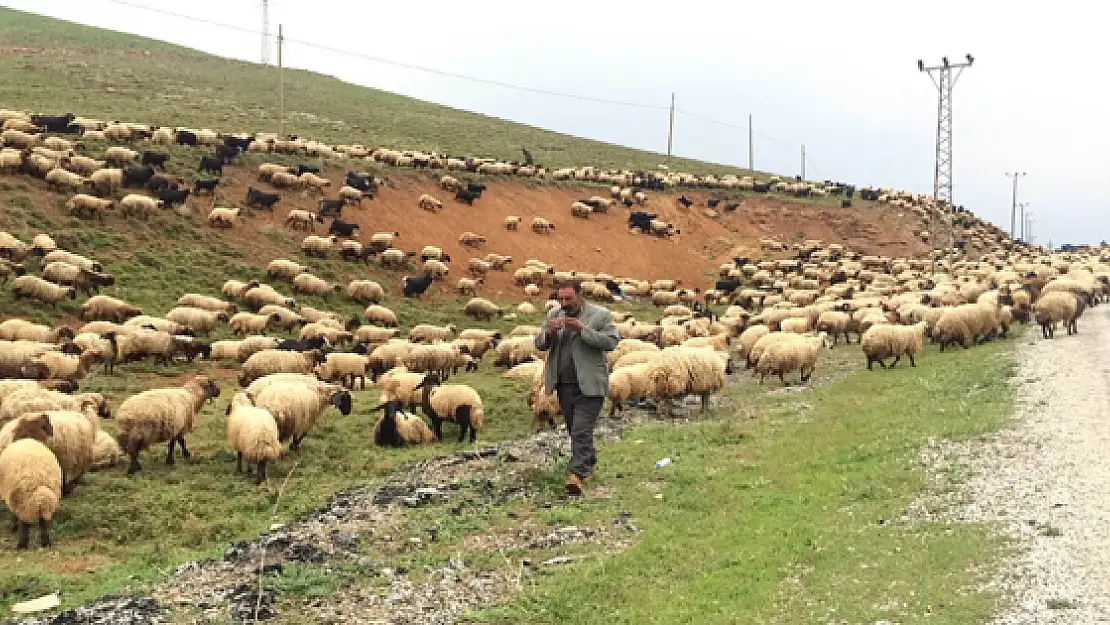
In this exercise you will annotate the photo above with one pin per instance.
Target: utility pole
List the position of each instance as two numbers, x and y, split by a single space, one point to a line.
751 145
670 127
1021 219
281 83
944 81
1013 205
803 161
1029 226
265 32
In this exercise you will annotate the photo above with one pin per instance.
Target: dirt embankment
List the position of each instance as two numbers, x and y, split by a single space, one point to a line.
599 244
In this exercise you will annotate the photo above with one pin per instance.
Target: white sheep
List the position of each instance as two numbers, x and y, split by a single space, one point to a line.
296 405
252 433
31 479
160 415
221 217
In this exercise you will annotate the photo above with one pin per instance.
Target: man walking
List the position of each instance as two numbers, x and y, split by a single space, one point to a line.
577 335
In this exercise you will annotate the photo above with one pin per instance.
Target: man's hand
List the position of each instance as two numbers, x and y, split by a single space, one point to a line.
555 324
573 323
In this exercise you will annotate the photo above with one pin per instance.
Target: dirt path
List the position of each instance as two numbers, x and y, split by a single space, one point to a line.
1047 479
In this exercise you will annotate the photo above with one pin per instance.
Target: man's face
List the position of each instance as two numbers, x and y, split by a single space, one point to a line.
569 301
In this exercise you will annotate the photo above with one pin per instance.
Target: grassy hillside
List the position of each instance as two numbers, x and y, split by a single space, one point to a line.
47 63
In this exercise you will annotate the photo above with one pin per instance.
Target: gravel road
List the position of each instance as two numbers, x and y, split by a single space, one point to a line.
1047 480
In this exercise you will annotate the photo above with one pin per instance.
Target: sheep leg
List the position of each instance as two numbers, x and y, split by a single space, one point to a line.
169 456
67 487
133 468
912 363
44 532
24 531
261 477
15 523
896 359
184 451
705 402
239 462
463 417
437 426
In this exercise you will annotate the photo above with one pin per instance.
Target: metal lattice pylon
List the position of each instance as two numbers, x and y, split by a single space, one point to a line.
265 32
944 80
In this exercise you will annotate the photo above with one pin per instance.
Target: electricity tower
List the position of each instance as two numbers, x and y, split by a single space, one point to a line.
265 32
944 80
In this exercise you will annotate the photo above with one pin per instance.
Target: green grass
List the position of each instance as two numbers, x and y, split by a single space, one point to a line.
795 516
111 75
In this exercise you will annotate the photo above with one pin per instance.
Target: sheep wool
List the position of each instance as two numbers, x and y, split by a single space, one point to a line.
106 452
882 341
161 415
297 406
252 433
31 482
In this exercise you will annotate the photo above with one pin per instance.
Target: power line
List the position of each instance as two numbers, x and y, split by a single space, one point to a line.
438 72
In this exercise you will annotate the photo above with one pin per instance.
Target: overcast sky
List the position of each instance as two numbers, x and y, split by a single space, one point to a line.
840 77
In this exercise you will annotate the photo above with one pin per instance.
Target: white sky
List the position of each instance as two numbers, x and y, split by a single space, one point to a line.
840 77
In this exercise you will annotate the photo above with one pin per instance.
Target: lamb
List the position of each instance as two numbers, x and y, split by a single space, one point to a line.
542 226
287 319
253 344
266 170
450 183
139 205
106 452
31 479
318 246
314 182
429 203
1056 307
252 432
363 291
426 333
120 155
297 405
286 180
261 295
160 415
373 335
628 382
451 402
298 218
480 308
9 269
107 308
83 165
795 353
396 428
515 350
73 259
471 239
313 285
31 397
250 323
72 441
59 366
469 286
204 302
14 355
59 179
278 361
36 288
578 209
882 341
82 279
236 289
198 320
23 330
347 367
221 217
679 371
351 195
512 222
106 181
835 323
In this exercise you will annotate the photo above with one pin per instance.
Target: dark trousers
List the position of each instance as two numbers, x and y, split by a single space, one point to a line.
581 413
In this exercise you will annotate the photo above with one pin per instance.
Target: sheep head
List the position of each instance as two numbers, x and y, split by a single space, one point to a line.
34 426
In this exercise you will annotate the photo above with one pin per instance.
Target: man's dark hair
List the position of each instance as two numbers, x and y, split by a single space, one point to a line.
569 284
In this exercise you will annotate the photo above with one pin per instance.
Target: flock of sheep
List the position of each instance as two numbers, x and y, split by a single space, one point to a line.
778 316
